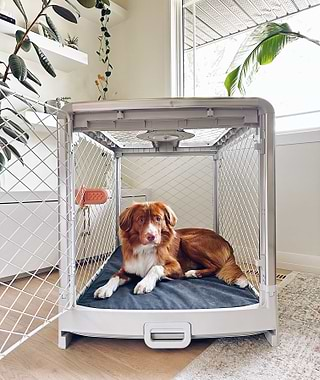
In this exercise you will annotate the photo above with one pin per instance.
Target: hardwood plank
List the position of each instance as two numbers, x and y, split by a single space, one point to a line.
94 358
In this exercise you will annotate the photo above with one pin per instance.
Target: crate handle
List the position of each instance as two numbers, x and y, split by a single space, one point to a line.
167 335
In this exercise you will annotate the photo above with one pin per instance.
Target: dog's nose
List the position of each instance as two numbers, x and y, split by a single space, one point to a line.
150 237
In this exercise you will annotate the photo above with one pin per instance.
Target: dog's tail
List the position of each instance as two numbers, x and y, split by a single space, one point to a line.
231 273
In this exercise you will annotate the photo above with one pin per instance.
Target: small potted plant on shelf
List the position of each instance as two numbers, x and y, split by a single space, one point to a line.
72 42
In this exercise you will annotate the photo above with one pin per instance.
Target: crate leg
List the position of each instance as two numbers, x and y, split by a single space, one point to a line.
64 339
272 337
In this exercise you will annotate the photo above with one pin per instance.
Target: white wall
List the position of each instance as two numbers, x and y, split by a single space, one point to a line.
298 201
140 51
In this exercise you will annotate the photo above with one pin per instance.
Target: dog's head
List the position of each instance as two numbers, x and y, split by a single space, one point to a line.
149 222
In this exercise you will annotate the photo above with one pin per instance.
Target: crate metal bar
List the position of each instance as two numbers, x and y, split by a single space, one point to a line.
117 194
177 152
65 215
267 165
215 194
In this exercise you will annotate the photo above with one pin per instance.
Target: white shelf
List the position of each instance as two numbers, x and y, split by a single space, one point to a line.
118 14
36 119
61 57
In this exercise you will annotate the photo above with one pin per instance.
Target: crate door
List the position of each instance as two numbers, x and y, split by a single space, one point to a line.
34 241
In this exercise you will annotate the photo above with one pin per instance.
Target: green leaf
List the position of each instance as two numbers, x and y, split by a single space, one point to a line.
65 13
54 29
18 67
87 3
4 123
33 78
10 132
21 9
270 49
260 48
18 128
29 86
3 93
230 82
16 153
44 60
20 116
107 2
49 31
26 45
2 162
74 7
4 147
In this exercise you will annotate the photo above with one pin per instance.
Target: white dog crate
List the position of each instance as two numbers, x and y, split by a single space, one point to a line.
211 160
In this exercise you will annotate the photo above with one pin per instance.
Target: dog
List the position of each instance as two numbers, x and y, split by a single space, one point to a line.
153 250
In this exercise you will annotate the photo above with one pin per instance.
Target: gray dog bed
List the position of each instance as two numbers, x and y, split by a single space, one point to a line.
191 293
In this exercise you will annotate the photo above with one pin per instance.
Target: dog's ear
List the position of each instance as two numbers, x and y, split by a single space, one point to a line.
170 216
125 218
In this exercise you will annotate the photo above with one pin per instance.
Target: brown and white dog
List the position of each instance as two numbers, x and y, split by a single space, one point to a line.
153 250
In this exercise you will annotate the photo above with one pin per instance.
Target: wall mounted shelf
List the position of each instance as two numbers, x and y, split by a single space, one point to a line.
62 57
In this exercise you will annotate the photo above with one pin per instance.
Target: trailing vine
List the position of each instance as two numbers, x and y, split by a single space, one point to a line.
102 81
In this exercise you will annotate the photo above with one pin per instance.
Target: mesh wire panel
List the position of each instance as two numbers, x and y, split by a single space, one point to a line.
33 240
202 137
238 200
183 182
95 223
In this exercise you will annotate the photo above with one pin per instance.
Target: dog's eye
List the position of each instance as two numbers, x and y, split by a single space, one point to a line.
141 219
158 218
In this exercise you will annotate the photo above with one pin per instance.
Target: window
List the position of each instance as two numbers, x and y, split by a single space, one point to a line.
213 32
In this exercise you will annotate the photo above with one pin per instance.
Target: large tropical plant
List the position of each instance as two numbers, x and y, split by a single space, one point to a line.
17 68
260 48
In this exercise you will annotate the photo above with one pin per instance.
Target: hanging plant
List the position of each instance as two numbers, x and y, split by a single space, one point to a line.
17 68
102 81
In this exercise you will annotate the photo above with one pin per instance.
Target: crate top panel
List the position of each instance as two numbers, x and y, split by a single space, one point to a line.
167 114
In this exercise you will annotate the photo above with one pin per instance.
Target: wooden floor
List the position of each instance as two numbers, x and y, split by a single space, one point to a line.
93 358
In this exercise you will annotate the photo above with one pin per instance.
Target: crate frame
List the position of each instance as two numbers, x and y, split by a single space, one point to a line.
238 113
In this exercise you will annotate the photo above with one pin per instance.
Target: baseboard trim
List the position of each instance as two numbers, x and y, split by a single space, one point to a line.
298 262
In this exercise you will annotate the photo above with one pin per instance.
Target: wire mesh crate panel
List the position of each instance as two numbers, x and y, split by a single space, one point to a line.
238 200
202 137
183 182
95 223
31 238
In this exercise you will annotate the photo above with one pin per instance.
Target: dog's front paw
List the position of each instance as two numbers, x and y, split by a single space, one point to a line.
144 286
191 274
103 292
108 289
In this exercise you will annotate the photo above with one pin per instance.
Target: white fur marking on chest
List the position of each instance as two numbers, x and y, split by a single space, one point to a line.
144 258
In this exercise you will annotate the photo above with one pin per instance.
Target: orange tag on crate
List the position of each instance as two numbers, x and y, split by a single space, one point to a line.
91 196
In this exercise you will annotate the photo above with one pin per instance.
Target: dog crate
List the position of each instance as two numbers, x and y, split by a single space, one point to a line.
210 159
